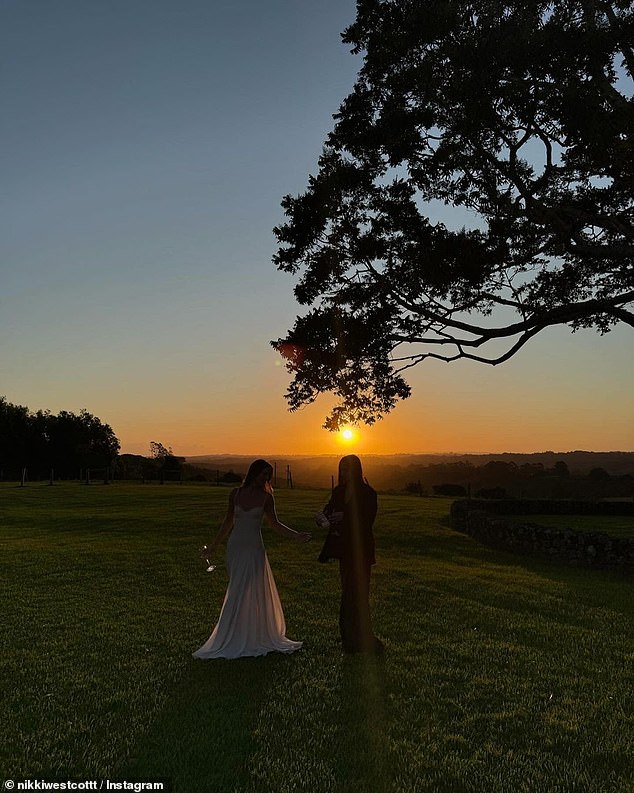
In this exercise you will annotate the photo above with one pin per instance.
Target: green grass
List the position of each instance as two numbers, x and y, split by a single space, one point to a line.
501 673
614 525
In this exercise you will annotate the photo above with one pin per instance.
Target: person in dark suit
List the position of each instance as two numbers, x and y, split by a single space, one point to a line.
351 512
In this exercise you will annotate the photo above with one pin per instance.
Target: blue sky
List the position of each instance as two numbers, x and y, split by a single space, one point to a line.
146 146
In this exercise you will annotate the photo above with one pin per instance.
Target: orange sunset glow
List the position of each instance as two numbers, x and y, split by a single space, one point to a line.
464 408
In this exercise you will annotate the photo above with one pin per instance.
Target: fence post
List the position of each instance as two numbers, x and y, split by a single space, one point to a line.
23 477
87 476
52 477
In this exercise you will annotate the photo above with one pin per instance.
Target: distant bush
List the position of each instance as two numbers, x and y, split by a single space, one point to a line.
491 492
416 488
450 490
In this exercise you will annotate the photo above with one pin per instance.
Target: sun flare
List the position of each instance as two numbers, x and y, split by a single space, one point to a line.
347 434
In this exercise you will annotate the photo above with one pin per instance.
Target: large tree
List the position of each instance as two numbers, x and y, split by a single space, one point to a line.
521 116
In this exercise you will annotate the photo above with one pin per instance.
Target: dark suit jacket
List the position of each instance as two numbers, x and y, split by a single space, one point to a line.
357 538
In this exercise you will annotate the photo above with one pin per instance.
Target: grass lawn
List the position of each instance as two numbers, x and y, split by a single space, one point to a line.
501 673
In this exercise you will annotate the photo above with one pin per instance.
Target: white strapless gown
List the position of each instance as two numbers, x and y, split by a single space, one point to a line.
251 621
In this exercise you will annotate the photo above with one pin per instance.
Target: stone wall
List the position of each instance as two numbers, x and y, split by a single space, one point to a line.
485 522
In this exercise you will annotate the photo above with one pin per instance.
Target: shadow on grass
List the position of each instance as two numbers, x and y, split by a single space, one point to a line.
458 565
454 545
576 577
442 544
205 733
362 760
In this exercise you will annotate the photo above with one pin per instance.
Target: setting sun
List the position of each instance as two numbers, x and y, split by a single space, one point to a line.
347 434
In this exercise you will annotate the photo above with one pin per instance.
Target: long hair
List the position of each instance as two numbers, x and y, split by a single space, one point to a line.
255 469
351 465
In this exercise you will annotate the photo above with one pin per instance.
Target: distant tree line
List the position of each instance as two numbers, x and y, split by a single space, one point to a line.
40 441
163 465
498 479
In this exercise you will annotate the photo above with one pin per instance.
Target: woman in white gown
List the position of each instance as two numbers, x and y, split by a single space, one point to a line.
251 621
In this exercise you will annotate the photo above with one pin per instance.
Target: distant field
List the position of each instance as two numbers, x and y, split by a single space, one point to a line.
502 674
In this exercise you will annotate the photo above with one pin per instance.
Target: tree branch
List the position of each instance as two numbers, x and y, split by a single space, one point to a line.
626 49
623 316
561 315
468 356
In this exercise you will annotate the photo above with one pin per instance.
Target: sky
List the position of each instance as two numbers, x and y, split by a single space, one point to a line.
146 146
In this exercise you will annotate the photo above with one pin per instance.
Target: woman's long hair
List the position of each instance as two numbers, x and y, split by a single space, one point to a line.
255 469
351 466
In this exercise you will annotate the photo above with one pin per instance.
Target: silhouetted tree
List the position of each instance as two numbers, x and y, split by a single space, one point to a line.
67 441
230 477
599 475
491 492
520 113
80 441
165 458
530 470
450 490
17 441
159 452
500 472
561 470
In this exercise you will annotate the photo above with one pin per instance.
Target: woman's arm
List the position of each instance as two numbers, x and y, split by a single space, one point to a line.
225 529
281 528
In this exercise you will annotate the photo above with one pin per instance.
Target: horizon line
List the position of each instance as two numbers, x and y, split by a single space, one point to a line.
256 456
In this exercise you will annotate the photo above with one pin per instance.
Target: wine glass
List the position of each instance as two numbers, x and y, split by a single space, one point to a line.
207 557
321 519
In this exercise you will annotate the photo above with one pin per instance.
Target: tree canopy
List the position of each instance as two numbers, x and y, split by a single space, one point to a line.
41 441
517 116
165 457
